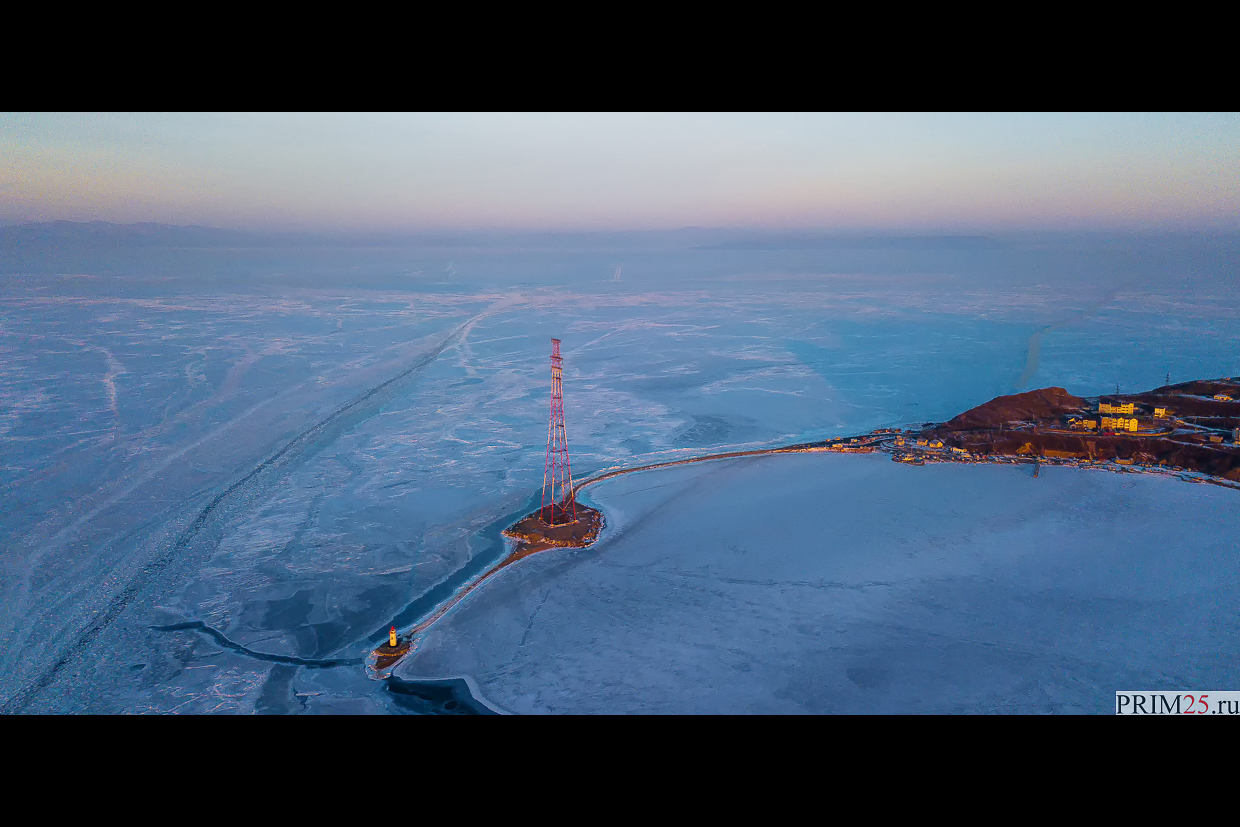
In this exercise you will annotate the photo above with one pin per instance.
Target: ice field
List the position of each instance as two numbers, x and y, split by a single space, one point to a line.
851 584
225 473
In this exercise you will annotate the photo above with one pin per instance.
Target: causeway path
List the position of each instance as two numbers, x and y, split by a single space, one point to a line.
411 636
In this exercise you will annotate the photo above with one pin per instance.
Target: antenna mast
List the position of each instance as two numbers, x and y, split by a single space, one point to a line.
559 506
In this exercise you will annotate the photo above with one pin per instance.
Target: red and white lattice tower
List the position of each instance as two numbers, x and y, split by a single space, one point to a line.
558 504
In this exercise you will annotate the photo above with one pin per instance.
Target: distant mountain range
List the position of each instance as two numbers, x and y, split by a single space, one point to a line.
106 234
103 235
863 242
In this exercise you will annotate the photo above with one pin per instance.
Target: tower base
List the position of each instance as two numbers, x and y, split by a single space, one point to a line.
533 534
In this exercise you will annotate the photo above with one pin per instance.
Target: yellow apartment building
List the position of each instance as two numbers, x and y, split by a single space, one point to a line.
1119 424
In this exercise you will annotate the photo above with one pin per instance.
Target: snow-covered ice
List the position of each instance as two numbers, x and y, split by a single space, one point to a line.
826 583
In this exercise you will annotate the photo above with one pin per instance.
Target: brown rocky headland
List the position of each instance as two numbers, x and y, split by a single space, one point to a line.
1190 426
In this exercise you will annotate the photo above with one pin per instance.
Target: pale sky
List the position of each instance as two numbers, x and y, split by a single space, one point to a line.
397 172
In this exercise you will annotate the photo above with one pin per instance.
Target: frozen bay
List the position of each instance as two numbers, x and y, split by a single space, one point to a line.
815 583
297 450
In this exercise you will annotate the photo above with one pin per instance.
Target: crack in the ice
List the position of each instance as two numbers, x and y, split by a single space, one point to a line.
529 626
305 441
218 637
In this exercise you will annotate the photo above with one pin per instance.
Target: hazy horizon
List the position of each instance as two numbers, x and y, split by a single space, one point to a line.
919 173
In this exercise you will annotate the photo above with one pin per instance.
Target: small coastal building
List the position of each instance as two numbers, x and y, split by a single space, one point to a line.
938 443
1161 413
1222 397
